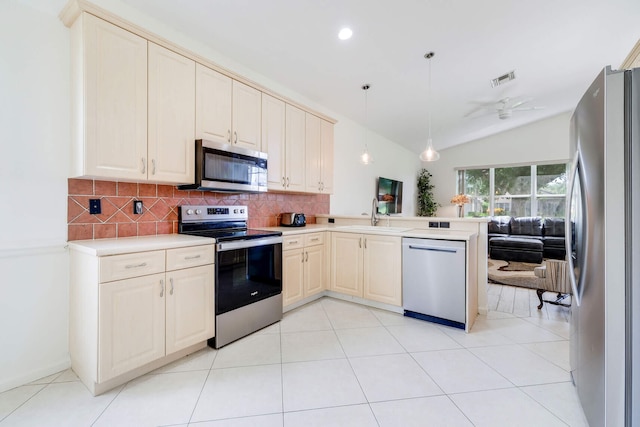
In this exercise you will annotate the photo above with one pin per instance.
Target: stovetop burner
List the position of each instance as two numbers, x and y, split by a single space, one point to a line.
222 223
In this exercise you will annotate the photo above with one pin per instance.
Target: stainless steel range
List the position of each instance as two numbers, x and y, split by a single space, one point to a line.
248 265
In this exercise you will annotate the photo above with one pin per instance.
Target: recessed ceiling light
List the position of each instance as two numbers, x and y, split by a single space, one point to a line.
345 33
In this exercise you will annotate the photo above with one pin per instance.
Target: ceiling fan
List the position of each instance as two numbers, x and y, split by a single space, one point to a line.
504 107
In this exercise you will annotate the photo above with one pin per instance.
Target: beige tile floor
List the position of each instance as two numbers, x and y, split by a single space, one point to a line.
334 363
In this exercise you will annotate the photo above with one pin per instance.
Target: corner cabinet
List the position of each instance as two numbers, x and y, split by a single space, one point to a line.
367 266
133 312
304 266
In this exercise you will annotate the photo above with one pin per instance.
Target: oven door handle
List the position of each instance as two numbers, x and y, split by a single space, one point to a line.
248 243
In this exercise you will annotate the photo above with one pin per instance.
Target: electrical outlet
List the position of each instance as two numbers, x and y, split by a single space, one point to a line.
445 224
94 207
137 207
332 220
433 224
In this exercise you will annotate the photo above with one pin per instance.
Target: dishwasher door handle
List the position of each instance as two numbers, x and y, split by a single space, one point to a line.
434 249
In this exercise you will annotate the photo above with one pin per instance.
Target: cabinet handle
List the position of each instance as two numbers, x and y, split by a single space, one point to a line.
307 256
293 242
287 182
302 257
229 135
191 257
319 186
143 264
360 242
144 166
283 182
235 137
315 239
161 288
171 281
365 243
153 166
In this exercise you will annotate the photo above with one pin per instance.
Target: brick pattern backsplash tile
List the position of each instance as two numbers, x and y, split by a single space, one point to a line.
160 208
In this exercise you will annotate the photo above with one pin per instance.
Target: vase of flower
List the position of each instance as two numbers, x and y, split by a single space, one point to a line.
459 200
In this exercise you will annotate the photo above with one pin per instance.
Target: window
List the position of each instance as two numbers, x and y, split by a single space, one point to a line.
535 190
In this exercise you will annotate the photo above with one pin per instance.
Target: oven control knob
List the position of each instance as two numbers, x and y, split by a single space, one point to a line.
198 211
189 211
241 211
235 211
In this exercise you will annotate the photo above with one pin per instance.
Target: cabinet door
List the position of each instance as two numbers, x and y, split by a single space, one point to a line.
346 263
313 154
326 156
190 307
130 324
213 105
314 270
114 92
273 140
247 116
171 116
383 269
292 276
295 148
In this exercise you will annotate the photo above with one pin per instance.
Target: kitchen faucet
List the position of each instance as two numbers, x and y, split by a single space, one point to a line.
374 212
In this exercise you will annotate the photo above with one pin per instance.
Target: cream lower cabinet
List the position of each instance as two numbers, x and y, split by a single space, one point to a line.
303 267
367 266
130 313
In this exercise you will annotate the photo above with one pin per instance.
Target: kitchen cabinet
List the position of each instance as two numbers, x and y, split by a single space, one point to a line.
319 155
171 147
227 110
367 266
133 312
283 130
133 106
304 266
109 110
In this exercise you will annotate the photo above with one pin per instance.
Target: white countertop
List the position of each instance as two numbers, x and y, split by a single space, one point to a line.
104 247
439 234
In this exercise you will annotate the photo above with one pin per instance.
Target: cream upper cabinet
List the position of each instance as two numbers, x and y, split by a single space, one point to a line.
213 105
319 155
109 85
247 116
190 307
346 263
131 324
367 266
295 154
171 116
313 154
273 141
383 269
326 156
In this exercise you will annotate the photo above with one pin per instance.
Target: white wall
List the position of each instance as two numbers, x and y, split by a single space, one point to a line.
34 152
545 141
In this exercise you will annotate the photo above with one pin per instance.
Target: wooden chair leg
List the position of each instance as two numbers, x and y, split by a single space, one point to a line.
540 292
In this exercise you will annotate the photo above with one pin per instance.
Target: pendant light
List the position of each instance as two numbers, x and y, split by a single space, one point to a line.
429 154
366 157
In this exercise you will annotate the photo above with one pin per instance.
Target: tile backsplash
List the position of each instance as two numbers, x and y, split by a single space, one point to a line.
160 215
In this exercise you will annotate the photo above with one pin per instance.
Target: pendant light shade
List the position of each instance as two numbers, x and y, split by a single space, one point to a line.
429 154
366 157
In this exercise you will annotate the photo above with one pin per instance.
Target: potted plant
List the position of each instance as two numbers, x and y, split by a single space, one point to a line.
427 206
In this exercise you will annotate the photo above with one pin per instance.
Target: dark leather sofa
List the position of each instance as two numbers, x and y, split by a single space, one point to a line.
526 239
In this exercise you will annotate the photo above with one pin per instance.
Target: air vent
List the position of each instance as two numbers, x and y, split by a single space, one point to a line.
505 78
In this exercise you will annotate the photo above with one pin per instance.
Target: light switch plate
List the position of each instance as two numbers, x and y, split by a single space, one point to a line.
137 207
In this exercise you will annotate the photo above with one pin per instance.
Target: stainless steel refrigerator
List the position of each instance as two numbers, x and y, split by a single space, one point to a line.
604 249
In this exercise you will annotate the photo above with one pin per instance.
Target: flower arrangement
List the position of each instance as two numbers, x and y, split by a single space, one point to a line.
460 199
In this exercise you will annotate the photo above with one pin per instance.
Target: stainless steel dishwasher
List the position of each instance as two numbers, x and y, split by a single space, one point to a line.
434 280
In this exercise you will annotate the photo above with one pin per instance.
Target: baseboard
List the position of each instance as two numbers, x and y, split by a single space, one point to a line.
24 379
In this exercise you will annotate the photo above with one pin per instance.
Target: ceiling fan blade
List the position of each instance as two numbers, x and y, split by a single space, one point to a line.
528 108
519 103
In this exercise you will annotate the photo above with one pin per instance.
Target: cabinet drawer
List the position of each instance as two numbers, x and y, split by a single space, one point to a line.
292 242
192 256
118 267
314 239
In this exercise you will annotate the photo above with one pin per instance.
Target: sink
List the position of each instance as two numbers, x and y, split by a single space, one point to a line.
373 228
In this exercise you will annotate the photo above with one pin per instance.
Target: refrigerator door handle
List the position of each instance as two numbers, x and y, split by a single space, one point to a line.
578 227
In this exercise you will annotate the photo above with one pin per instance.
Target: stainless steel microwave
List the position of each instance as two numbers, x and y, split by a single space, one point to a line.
227 168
